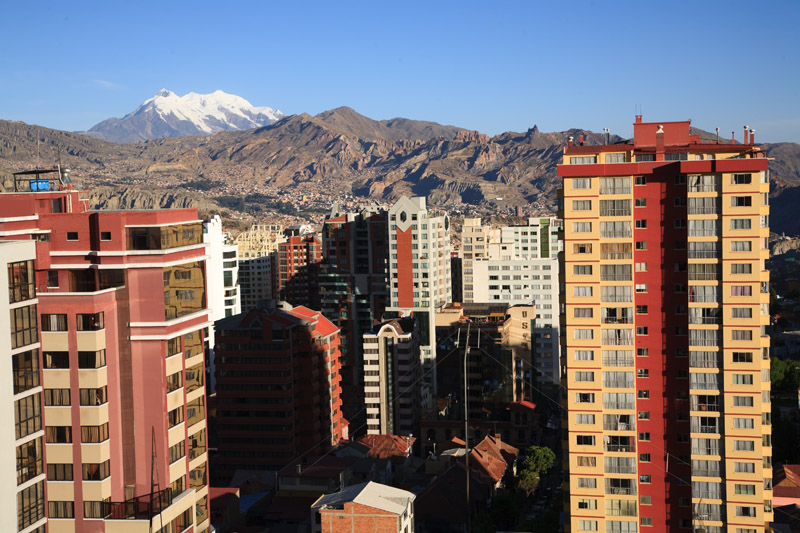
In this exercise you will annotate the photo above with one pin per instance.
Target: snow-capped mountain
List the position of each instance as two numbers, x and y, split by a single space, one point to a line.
168 115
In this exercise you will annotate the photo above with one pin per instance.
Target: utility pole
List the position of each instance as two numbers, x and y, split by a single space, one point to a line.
466 423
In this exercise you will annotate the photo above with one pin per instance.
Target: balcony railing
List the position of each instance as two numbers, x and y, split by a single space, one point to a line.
615 190
616 234
706 472
139 508
620 448
616 277
619 426
624 491
620 469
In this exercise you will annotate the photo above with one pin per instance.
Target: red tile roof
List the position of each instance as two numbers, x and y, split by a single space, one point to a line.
786 481
324 326
393 447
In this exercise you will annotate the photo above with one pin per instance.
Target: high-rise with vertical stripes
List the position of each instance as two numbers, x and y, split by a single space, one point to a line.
664 347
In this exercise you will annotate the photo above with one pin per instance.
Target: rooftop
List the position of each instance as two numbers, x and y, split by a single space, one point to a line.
371 494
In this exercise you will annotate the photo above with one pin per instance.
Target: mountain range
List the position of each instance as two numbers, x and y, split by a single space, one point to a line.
168 115
341 151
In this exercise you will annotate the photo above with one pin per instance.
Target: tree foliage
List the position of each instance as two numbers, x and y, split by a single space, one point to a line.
785 374
538 460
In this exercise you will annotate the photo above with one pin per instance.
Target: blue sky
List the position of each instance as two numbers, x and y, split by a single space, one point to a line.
492 66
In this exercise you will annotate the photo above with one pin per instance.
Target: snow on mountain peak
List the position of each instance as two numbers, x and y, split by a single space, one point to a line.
210 113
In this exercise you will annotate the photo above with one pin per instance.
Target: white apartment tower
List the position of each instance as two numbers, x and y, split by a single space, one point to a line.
22 502
419 273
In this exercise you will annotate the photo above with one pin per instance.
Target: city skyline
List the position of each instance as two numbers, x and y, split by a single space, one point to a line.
474 66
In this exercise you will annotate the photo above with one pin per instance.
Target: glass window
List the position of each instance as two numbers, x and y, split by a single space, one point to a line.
24 328
21 281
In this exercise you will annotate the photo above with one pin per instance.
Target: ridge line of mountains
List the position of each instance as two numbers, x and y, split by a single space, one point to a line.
341 151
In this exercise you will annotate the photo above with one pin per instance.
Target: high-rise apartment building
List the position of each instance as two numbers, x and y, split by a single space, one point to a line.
353 290
22 503
123 318
222 274
298 270
258 257
278 388
391 378
518 265
419 274
665 348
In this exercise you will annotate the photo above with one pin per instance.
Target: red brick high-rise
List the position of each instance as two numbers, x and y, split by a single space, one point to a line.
298 270
122 321
278 388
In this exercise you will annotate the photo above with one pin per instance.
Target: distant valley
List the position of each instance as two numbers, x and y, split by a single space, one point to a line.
340 151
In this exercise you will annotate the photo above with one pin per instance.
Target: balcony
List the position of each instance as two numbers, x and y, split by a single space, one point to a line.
138 508
706 472
624 491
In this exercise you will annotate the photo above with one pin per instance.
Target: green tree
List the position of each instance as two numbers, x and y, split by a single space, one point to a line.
538 460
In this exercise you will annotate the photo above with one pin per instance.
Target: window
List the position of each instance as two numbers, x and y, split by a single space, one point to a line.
586 461
644 478
741 268
646 521
61 509
581 227
56 397
743 401
177 451
581 205
641 245
644 457
584 355
56 360
582 291
587 483
581 183
641 267
646 500
741 201
25 367
585 503
643 394
584 419
641 287
583 160
587 525
641 330
93 434
740 223
584 334
90 322
584 376
744 445
59 472
72 235
641 224
641 309
97 396
582 270
175 416
643 415
96 471
640 180
27 415
642 352
741 246
640 202
58 434
30 505
748 468
582 248
741 179
584 397
21 281
582 312
24 328
92 359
